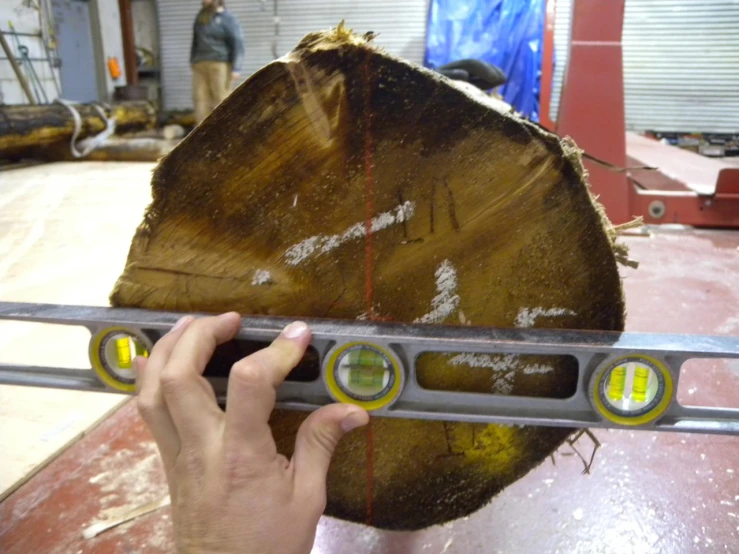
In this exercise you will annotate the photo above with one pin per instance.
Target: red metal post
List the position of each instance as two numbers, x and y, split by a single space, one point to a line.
591 107
547 68
129 42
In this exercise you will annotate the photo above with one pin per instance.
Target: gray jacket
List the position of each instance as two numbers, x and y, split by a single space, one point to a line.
217 40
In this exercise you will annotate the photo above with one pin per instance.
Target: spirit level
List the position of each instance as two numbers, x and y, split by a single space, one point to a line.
625 380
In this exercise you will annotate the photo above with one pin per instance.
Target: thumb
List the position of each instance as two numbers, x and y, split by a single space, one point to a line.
316 441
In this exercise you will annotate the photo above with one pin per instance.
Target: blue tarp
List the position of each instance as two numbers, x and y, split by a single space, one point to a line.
506 33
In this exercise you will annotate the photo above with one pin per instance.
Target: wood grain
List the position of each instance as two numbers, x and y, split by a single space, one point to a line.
340 181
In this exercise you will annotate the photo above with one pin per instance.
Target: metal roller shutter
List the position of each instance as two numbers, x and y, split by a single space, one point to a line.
562 20
176 18
681 64
401 25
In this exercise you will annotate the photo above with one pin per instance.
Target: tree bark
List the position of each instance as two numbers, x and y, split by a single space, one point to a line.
26 130
340 181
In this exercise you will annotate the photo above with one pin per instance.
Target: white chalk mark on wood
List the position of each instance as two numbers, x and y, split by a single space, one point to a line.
262 277
527 316
501 364
321 244
496 363
506 364
446 300
503 385
537 368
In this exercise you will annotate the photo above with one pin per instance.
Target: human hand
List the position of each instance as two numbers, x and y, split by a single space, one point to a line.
230 489
235 76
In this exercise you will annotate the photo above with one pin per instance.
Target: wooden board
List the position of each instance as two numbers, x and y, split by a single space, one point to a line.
341 182
63 228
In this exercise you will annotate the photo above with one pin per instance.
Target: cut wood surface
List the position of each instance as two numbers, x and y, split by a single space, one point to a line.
63 227
26 130
342 182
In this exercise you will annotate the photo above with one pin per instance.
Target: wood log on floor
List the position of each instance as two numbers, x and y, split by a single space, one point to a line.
116 149
183 118
26 130
340 181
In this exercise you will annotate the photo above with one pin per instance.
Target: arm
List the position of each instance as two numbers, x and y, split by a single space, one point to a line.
236 42
194 45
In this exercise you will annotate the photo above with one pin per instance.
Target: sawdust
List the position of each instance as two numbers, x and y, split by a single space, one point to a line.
160 536
731 324
125 485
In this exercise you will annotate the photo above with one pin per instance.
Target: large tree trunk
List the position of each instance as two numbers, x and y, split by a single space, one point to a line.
342 182
27 131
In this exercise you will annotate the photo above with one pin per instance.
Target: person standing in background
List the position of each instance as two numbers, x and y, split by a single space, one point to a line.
215 56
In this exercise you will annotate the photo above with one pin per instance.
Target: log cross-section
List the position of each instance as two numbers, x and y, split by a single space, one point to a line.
340 181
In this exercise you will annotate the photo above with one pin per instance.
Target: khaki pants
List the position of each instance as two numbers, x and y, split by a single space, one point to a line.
211 84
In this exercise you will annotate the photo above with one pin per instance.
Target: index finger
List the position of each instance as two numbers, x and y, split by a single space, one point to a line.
190 399
252 387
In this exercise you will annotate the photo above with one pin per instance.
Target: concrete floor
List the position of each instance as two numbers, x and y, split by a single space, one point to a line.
647 492
52 219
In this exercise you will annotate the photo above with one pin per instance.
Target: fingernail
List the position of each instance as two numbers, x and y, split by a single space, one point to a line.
356 418
294 330
181 323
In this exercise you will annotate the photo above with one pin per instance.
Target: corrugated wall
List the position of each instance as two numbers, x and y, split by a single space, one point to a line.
25 20
176 18
562 19
681 64
401 25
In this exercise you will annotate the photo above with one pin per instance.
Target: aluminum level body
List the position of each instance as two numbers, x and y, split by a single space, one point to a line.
592 350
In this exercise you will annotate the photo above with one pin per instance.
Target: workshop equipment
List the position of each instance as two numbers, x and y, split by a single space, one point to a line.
114 68
626 380
27 63
594 87
16 68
